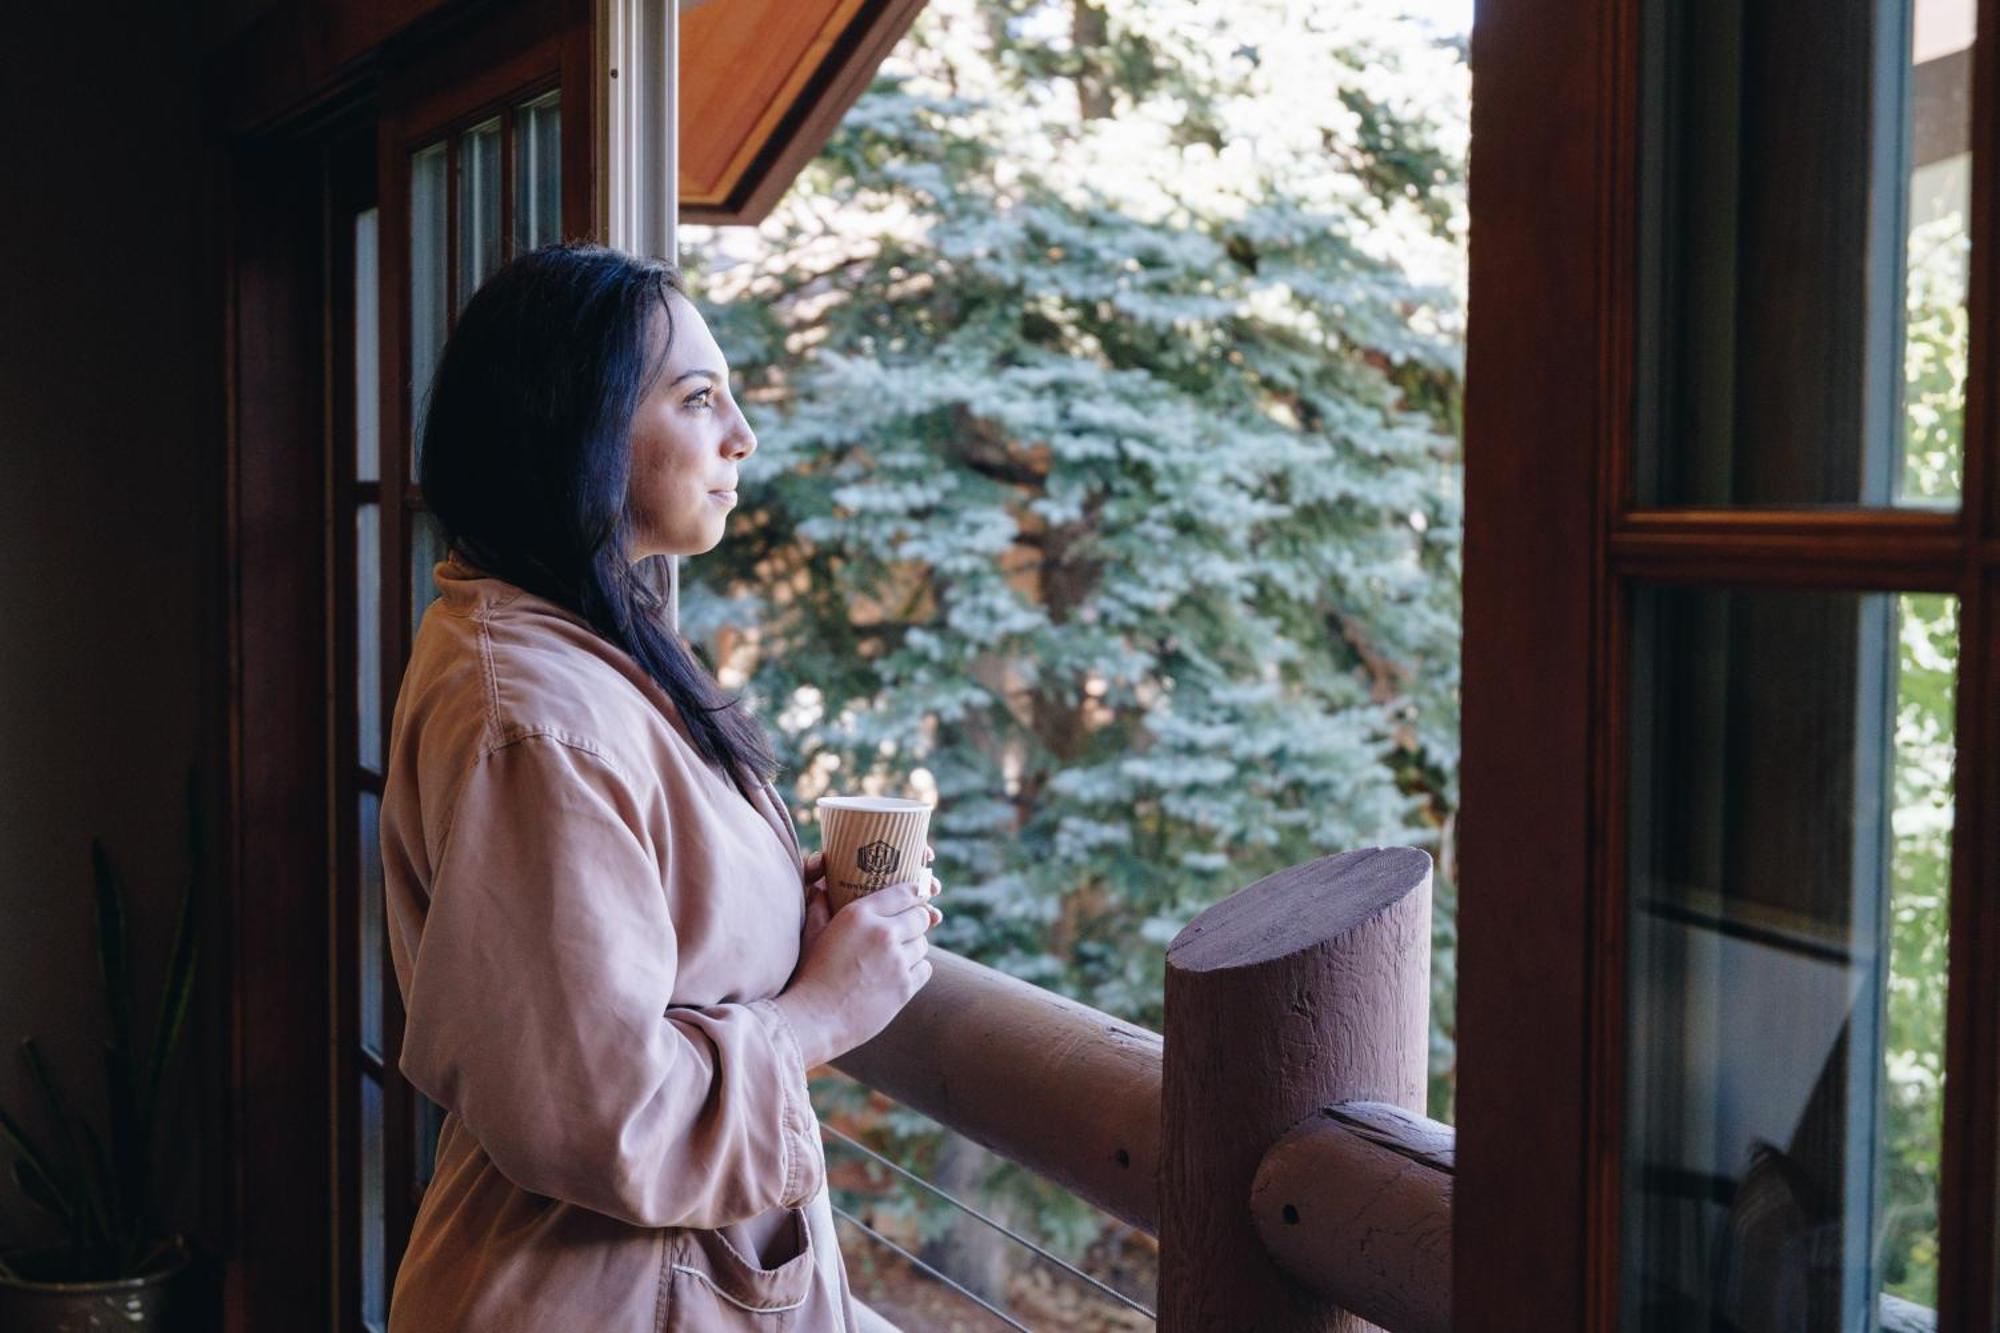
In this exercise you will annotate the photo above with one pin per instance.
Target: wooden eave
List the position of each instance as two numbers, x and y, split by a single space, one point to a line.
763 82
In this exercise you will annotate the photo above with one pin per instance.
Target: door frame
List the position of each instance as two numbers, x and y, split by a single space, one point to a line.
284 1181
1550 395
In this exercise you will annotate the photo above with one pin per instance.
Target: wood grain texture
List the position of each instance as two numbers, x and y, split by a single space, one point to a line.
1065 1091
844 62
273 953
1414 1136
1546 408
1969 1175
1355 1203
1309 988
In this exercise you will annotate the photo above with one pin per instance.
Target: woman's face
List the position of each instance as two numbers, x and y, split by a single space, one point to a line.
688 438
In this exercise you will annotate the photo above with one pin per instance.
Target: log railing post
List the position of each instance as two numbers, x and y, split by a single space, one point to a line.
1308 989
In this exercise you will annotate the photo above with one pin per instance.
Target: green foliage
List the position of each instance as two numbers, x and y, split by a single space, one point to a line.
102 1185
1935 360
1108 478
1920 894
1137 533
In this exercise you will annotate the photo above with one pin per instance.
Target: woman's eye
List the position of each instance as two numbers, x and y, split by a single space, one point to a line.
701 399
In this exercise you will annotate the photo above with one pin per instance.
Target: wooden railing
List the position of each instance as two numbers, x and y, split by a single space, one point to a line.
1273 1139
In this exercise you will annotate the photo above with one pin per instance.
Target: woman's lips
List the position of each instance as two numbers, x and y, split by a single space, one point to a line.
727 497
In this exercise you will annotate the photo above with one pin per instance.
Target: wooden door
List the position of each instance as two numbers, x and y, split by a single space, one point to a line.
1732 546
483 149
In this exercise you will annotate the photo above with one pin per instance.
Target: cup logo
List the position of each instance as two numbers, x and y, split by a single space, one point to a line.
876 860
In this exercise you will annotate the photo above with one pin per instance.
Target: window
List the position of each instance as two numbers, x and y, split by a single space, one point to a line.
472 171
1729 703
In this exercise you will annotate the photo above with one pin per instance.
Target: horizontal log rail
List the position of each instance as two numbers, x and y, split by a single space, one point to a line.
1271 1139
1063 1089
1355 1204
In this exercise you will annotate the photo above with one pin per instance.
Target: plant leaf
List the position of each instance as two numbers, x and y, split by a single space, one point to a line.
104 1189
178 990
73 1180
111 959
32 1157
127 1169
114 964
43 1192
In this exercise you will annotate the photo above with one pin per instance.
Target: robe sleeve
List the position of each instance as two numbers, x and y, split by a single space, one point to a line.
538 1011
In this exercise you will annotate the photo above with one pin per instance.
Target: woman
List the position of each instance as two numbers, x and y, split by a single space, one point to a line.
616 966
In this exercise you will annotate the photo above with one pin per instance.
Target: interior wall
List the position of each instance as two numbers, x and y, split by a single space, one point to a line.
110 444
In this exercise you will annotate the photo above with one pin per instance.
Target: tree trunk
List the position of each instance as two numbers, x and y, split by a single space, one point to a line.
971 1252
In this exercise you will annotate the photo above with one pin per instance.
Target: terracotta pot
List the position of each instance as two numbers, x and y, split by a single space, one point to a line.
150 1303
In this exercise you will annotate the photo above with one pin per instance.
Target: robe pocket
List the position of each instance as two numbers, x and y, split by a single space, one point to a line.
715 1287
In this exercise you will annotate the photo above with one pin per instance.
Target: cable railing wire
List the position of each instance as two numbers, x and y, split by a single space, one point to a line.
1002 1228
970 1295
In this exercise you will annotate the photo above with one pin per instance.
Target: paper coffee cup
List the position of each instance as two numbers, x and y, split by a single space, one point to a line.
871 842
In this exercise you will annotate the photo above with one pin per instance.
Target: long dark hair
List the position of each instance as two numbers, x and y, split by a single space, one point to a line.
526 448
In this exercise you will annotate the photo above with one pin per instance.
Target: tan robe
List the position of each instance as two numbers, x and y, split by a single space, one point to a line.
588 923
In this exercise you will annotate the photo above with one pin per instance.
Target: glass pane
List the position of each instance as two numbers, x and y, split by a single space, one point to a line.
1803 249
367 368
1919 939
478 207
374 1253
1934 346
538 173
368 903
429 280
368 636
1789 827
427 548
429 1119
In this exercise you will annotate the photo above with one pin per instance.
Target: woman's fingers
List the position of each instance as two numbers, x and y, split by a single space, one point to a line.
819 914
915 905
931 917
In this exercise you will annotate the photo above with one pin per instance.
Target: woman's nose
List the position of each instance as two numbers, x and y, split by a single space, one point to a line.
744 442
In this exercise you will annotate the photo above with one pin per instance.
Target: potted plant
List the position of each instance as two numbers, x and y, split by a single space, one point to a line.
117 1264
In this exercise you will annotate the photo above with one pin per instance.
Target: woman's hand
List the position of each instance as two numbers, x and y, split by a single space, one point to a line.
858 967
819 906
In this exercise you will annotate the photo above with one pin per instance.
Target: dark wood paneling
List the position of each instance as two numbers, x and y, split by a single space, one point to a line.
1969 1179
1551 546
1970 1268
1982 406
463 73
1532 446
299 54
1852 548
276 825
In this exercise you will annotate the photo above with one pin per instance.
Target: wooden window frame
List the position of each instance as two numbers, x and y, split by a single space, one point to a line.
285 1194
1550 395
438 93
274 956
351 188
